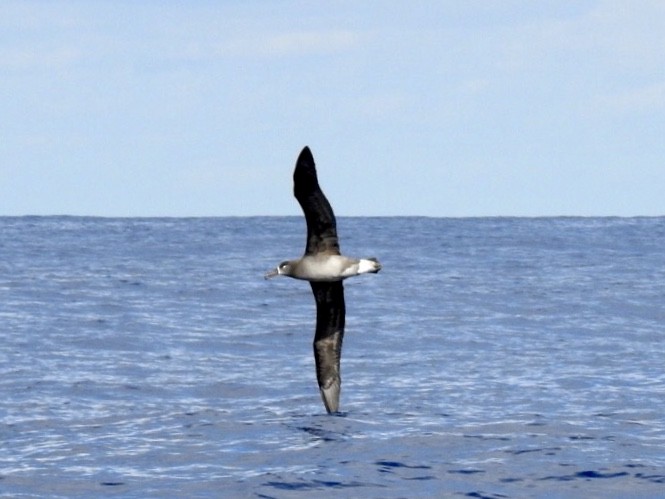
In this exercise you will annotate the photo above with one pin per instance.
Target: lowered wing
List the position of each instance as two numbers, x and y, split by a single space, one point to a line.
330 316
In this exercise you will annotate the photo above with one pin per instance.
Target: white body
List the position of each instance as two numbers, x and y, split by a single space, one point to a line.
332 267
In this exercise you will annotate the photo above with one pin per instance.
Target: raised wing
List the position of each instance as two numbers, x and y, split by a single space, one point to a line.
321 225
330 316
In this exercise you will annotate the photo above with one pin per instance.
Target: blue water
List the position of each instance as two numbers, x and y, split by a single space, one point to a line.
490 358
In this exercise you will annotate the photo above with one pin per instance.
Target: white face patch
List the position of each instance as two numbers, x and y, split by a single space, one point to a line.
283 268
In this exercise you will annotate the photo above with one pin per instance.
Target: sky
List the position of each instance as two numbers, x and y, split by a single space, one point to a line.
427 107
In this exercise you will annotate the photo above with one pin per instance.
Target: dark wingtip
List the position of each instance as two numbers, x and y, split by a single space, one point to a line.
306 155
330 396
304 175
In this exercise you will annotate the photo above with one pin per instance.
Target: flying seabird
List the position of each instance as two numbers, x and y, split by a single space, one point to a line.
324 267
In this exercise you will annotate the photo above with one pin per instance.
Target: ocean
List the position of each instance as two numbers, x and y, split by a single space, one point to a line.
490 358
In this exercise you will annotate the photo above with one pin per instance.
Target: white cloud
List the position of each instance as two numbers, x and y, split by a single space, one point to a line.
647 98
25 58
383 105
37 17
611 34
311 42
293 44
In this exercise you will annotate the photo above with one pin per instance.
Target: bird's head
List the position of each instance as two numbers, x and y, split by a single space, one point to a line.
283 268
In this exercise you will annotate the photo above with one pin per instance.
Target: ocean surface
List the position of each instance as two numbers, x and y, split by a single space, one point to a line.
490 358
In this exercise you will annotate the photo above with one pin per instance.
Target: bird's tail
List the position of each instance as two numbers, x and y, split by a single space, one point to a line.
368 266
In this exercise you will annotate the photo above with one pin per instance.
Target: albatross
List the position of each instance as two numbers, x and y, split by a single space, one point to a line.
325 268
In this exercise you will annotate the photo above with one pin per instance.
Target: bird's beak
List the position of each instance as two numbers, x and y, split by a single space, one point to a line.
272 273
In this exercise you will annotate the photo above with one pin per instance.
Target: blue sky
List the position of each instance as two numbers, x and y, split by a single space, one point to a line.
437 108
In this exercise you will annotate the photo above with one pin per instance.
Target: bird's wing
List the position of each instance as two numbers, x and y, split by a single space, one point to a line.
321 225
330 314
